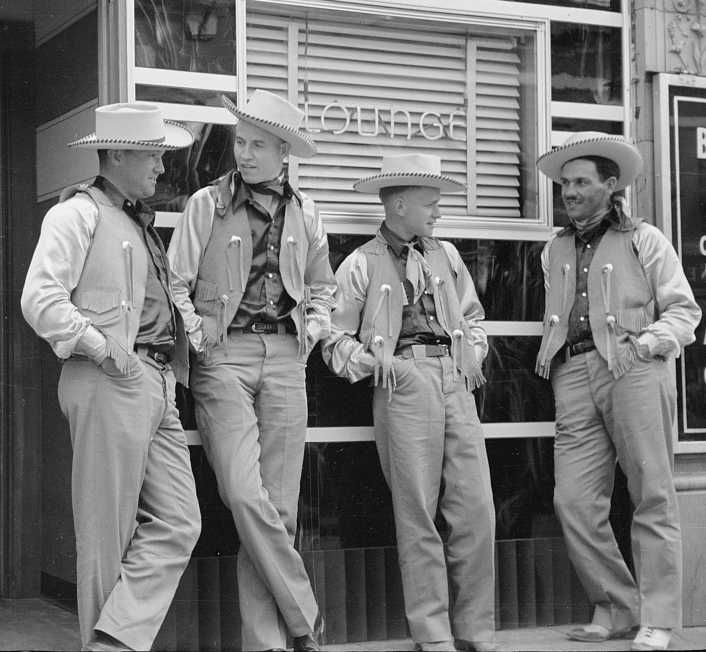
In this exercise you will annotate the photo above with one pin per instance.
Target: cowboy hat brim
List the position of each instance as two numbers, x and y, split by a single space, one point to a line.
625 155
300 144
177 136
391 179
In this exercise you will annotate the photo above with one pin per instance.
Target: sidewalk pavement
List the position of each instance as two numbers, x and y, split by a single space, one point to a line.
36 624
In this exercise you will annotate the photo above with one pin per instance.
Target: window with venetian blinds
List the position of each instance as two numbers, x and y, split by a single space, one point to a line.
368 89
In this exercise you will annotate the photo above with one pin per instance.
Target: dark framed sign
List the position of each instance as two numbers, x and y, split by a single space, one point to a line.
680 148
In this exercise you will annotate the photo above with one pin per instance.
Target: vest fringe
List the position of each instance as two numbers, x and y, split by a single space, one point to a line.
457 351
221 335
606 286
543 366
129 274
117 353
565 269
236 244
624 362
302 313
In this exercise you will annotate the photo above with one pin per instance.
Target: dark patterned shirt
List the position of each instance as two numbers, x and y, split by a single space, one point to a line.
157 323
586 245
265 299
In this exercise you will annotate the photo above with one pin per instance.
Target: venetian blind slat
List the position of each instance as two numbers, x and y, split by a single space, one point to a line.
417 80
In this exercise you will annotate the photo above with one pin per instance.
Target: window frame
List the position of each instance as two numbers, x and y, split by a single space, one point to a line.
117 51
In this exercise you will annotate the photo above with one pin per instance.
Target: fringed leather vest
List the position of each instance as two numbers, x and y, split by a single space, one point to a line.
619 298
382 313
227 257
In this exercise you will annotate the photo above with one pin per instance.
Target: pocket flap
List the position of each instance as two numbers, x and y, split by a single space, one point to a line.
100 300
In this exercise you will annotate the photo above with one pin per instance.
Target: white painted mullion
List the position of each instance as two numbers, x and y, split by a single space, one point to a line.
586 111
184 79
241 52
471 125
453 9
293 88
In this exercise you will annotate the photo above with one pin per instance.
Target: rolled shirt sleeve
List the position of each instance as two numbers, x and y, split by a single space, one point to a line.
54 273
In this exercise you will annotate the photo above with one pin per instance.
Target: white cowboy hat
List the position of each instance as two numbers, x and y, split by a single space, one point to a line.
594 143
138 125
408 170
276 116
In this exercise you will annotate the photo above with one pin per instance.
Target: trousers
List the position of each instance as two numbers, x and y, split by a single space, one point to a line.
135 510
601 420
250 403
432 453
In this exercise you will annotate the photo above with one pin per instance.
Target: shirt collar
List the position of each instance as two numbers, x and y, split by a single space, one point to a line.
138 211
394 241
611 220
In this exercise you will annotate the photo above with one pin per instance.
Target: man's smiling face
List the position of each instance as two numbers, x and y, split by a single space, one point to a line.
584 194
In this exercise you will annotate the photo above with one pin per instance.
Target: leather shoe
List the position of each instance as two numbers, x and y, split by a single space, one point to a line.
310 642
593 633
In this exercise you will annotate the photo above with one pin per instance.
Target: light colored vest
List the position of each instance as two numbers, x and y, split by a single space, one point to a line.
227 257
111 289
382 313
620 300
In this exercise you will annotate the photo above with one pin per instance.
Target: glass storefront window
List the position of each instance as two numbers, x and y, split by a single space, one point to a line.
186 35
586 63
346 502
508 278
187 170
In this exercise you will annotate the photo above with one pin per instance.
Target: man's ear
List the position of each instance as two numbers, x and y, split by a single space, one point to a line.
285 149
611 183
400 204
116 156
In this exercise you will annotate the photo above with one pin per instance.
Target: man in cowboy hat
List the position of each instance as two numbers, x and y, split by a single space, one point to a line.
618 310
255 289
98 290
408 315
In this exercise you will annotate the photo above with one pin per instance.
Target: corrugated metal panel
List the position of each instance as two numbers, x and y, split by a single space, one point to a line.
351 78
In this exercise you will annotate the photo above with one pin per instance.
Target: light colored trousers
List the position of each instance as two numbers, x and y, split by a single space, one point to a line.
600 420
432 452
250 399
136 514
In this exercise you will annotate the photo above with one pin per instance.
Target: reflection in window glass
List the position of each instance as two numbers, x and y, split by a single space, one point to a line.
345 502
187 35
586 63
513 392
186 170
507 275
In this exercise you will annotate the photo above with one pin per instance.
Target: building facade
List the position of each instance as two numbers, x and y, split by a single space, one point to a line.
488 86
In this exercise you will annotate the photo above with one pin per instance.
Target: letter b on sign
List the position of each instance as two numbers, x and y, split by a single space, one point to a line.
701 142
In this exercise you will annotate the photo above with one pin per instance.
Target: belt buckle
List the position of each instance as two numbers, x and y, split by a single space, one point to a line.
444 350
258 327
160 357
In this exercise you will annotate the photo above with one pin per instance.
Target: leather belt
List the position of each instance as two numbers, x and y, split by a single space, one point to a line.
570 350
147 351
265 328
424 351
